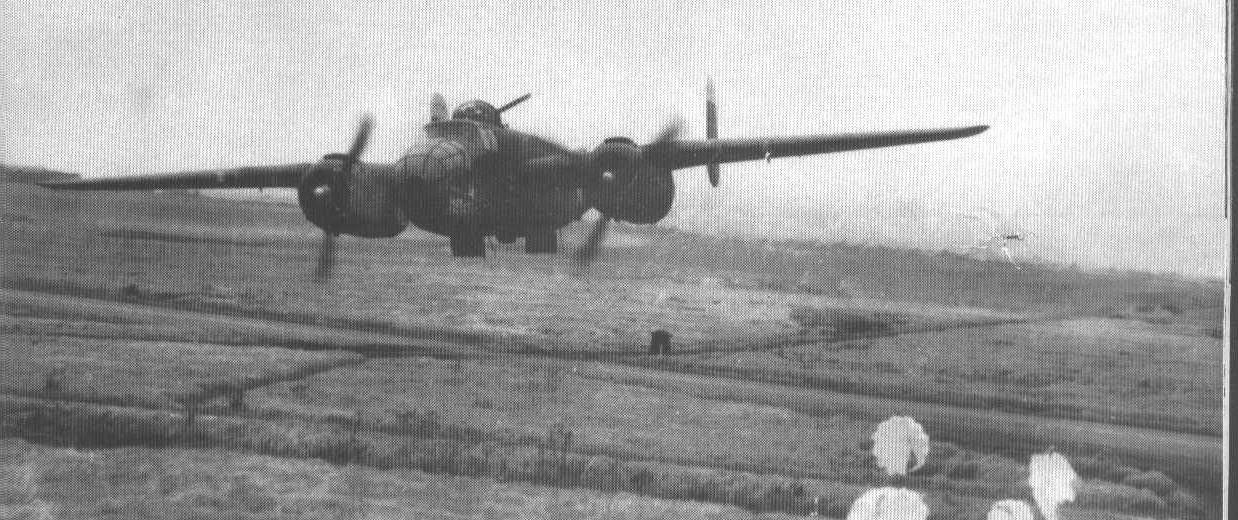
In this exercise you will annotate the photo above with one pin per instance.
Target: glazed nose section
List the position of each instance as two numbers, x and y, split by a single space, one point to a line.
461 209
438 161
437 191
463 202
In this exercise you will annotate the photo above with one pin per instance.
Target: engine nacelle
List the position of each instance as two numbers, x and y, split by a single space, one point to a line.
626 186
326 196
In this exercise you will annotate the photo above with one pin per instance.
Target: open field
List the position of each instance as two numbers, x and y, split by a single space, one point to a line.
1102 369
147 373
604 443
184 331
256 258
137 483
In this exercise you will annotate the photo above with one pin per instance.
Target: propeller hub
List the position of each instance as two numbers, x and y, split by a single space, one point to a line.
608 176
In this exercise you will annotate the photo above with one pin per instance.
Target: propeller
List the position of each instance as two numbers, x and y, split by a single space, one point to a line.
326 258
670 131
711 129
588 250
326 253
359 140
654 151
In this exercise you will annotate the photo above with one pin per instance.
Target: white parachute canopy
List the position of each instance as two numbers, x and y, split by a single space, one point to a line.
994 235
1052 480
889 503
896 440
1010 510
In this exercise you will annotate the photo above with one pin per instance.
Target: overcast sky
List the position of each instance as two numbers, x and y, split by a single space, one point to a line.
1107 117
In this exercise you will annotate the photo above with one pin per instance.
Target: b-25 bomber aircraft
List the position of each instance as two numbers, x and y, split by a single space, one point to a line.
472 177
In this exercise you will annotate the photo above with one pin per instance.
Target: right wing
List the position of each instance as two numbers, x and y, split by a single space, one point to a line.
685 154
283 176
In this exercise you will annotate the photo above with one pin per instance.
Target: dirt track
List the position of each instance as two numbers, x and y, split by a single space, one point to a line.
1195 458
279 333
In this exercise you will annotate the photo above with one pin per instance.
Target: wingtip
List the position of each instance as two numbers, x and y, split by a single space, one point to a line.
968 131
74 184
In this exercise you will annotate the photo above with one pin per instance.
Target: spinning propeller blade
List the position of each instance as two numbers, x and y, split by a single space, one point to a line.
361 138
585 255
326 253
326 258
670 131
711 129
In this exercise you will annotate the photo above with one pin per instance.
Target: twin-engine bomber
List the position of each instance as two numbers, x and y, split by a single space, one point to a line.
472 177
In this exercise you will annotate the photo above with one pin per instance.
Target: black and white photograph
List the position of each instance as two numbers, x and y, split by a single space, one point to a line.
702 260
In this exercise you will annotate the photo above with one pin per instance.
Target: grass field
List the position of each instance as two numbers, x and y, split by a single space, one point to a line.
583 446
137 483
576 422
147 373
1103 369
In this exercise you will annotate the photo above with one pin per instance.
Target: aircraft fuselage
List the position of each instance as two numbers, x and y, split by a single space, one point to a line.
467 175
469 178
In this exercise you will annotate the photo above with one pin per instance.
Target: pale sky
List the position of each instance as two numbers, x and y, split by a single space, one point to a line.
1108 117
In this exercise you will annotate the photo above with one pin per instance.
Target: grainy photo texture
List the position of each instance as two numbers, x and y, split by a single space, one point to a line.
734 259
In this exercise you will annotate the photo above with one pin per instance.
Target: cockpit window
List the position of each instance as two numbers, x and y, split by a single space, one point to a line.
479 111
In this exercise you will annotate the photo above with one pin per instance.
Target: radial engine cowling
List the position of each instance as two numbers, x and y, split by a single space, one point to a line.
327 200
628 187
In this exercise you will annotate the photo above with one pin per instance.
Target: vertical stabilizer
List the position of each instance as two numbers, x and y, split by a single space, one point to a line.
438 108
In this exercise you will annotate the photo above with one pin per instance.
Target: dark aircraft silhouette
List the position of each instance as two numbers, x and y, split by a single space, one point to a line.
472 177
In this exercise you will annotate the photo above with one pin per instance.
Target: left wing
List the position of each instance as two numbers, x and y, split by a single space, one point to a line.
685 154
283 176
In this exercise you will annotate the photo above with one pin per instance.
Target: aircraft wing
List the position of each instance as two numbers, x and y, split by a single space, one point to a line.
283 176
685 154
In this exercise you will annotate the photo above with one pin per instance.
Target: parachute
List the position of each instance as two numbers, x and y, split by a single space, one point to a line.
889 503
1010 510
896 440
1052 480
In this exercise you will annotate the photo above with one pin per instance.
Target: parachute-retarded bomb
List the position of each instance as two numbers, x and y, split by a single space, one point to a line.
896 440
1053 482
889 503
1010 509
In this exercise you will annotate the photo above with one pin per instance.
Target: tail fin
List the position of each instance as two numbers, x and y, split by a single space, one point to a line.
438 108
711 129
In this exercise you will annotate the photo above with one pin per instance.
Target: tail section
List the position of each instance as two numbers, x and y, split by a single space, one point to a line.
438 108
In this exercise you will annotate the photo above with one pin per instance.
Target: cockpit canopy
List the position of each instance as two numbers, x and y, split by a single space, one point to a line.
477 110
